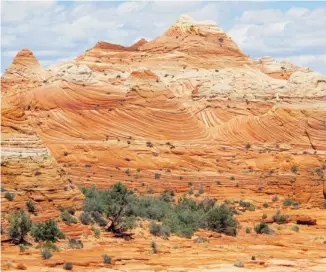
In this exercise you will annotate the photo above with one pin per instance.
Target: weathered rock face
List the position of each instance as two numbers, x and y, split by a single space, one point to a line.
28 169
188 105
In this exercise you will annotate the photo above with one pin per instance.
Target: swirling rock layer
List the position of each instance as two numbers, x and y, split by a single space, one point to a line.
188 105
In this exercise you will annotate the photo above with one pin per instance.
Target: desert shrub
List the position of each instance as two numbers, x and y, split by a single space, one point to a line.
22 247
19 225
30 206
263 228
47 231
191 191
290 202
280 218
46 253
68 218
86 218
167 196
232 178
50 245
275 198
68 266
294 169
9 196
199 240
97 233
157 175
149 144
248 146
159 230
265 205
264 216
248 205
107 259
154 247
295 228
183 217
253 258
324 205
221 219
201 190
248 230
99 219
75 243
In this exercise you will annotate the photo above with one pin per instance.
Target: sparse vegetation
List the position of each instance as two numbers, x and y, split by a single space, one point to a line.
75 243
19 225
248 230
248 205
9 196
107 259
294 169
47 231
30 206
68 218
263 228
275 198
280 218
295 228
46 253
159 230
157 175
86 218
290 202
68 266
265 205
264 216
183 218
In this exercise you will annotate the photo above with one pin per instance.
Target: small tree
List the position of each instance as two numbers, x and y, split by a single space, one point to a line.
221 219
47 231
19 225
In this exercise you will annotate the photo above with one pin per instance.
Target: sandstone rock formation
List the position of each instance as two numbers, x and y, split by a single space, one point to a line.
188 105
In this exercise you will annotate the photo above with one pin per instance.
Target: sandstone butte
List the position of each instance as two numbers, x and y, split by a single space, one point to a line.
214 117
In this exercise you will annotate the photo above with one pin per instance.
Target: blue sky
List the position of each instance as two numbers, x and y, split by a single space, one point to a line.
57 31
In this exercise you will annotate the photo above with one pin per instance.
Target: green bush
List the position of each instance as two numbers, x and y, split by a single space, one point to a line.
221 219
19 225
265 205
46 253
264 216
30 206
9 196
75 243
263 228
249 206
47 231
183 217
294 169
68 266
291 202
68 218
159 230
98 218
279 218
248 230
295 228
107 259
86 218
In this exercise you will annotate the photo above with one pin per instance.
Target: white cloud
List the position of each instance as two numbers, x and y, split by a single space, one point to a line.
55 30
